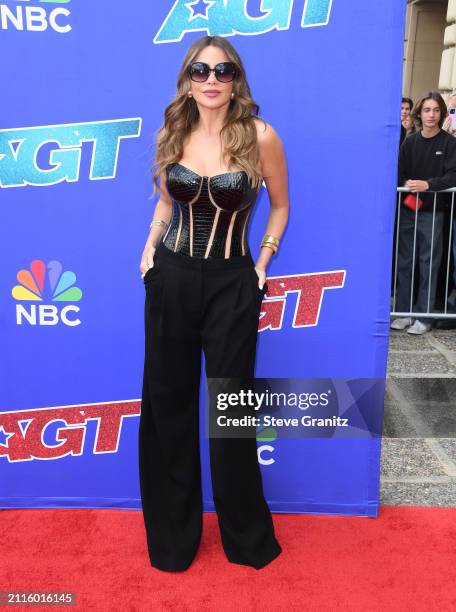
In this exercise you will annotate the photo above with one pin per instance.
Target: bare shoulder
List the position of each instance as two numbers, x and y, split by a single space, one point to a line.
265 132
270 146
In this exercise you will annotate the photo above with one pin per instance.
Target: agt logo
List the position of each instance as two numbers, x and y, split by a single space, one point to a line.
51 154
309 290
55 432
37 16
60 431
56 286
229 17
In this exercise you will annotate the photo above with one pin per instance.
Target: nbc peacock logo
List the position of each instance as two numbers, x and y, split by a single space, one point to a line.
265 450
46 283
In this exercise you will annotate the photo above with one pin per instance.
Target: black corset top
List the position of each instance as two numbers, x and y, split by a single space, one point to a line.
210 214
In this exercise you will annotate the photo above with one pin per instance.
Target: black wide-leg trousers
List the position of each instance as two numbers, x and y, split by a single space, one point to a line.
195 304
423 250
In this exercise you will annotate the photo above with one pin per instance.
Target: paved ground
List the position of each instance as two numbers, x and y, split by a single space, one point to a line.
419 443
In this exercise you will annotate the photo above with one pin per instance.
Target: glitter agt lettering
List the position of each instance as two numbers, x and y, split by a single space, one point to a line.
310 289
20 148
229 17
22 432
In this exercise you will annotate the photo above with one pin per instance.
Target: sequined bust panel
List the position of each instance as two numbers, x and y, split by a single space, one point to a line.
210 214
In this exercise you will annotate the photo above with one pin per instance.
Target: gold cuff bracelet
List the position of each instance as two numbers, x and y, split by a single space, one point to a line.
159 222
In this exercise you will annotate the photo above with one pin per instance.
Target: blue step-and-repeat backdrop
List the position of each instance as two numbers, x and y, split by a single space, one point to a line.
84 87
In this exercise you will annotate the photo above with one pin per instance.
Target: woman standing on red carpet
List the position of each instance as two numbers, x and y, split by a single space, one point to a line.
204 292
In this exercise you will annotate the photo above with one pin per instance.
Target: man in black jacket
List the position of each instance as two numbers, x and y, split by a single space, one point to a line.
427 162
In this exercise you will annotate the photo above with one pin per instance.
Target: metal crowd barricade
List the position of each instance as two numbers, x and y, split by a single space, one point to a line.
427 314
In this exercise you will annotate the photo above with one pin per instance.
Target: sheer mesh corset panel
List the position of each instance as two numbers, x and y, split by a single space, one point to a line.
210 214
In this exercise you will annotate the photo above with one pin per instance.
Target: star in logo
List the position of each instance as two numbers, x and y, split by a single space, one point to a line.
197 12
4 437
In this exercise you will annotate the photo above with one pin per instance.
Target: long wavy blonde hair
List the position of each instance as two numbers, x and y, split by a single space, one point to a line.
238 134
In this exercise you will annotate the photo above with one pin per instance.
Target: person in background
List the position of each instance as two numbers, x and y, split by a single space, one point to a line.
447 126
427 162
408 125
406 109
447 123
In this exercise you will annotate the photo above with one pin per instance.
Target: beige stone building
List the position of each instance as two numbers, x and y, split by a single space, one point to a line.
429 49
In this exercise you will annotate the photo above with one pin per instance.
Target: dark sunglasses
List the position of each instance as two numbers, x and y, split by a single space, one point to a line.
200 71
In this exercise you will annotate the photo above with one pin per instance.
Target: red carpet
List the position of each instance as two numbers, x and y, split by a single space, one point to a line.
403 560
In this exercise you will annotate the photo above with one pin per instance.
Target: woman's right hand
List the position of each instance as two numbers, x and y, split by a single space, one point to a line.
147 260
261 273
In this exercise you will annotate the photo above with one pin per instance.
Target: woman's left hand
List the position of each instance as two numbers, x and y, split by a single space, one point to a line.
261 276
